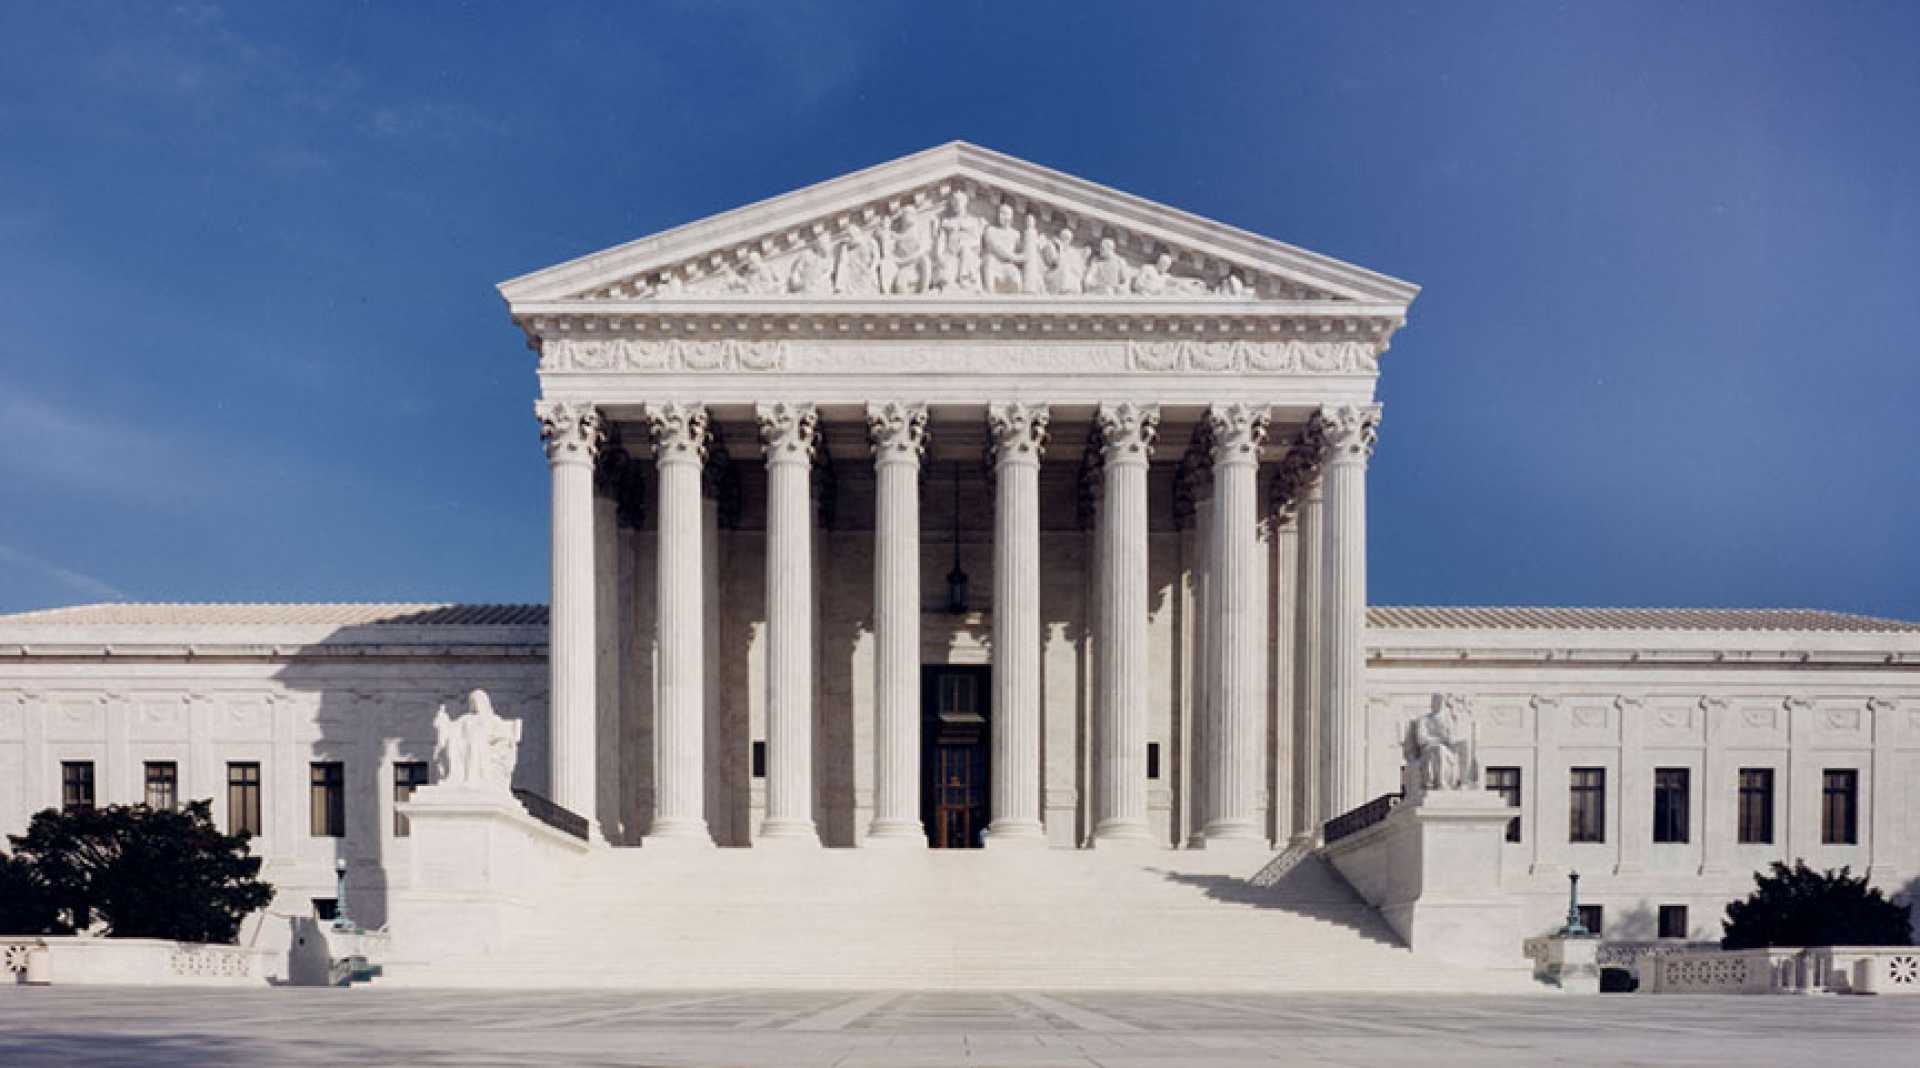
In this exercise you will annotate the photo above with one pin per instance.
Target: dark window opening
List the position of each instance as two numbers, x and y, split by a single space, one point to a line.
1592 917
1153 760
760 760
76 786
1673 921
327 800
163 785
1587 818
408 776
1671 791
243 798
1756 806
1840 807
1506 783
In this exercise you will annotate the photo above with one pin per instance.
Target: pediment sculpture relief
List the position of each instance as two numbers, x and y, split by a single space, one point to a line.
957 240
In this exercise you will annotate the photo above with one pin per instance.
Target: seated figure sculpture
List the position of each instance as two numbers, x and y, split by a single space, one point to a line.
1442 748
478 750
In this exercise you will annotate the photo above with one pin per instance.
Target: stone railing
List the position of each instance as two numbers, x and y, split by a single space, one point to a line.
551 814
1356 820
1787 970
140 961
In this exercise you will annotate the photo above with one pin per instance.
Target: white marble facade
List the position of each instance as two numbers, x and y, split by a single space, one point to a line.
1142 436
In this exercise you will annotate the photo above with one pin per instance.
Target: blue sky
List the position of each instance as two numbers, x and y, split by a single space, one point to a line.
1665 352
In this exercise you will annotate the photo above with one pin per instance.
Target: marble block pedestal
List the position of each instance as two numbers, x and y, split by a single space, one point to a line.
1432 868
1570 962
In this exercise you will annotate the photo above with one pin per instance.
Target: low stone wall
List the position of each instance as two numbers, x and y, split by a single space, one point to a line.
135 962
1893 970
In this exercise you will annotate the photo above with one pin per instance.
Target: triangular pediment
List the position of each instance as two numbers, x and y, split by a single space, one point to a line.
955 223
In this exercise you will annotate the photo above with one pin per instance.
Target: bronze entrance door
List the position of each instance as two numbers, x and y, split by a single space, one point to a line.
953 745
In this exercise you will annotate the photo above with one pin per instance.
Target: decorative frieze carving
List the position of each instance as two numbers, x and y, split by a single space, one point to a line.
957 238
661 354
571 430
630 355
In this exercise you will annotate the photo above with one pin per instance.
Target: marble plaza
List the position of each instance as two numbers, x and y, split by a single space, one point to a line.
959 582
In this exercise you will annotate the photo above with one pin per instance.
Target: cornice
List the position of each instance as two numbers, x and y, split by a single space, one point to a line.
1597 656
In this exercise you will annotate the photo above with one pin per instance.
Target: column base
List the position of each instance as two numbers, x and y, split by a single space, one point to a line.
678 834
895 834
1232 843
1115 834
788 834
1014 834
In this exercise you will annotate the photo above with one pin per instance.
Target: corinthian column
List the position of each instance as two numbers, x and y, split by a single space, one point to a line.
1235 628
1019 435
1299 484
679 745
898 433
1127 432
787 431
1348 433
573 434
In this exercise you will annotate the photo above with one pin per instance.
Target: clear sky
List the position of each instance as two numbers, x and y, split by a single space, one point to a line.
1665 353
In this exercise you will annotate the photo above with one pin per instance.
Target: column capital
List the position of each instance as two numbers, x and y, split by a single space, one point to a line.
1236 431
680 432
1127 431
1346 432
571 430
788 431
897 431
1018 431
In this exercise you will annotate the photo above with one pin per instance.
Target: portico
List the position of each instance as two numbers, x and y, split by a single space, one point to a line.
776 435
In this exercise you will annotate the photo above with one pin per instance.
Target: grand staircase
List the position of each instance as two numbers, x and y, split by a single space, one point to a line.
940 919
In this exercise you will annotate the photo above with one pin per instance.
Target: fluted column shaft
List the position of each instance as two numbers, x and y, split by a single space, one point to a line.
1234 711
1127 433
573 435
1300 484
788 432
1019 436
897 433
1349 433
680 447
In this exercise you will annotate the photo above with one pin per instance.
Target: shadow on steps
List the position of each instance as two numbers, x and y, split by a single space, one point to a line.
1310 888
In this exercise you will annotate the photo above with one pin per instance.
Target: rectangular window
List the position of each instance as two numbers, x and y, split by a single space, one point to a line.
1671 789
760 760
326 909
327 800
1756 806
1591 917
1153 760
76 786
1673 921
243 798
163 785
1840 807
407 777
1506 783
1587 817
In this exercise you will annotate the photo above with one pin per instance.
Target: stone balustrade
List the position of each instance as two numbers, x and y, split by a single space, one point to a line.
1786 970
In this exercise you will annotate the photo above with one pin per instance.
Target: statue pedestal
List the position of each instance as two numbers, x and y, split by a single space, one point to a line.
479 866
1432 868
1570 962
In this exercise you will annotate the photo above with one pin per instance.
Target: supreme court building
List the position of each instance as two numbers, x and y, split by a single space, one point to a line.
960 503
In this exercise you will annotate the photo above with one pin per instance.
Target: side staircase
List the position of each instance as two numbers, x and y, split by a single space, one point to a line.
974 919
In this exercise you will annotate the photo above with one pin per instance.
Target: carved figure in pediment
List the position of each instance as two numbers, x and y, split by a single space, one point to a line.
957 244
859 271
1157 279
812 271
1108 275
1007 253
1233 286
906 255
758 277
1065 264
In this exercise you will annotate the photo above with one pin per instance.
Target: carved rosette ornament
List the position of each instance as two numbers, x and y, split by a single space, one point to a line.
788 431
1235 432
897 429
571 430
1017 431
1127 431
1346 432
680 431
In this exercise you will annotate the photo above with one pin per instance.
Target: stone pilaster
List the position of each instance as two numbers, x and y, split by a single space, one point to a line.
1234 712
573 434
1018 436
1127 433
680 443
898 435
788 431
1299 483
1348 432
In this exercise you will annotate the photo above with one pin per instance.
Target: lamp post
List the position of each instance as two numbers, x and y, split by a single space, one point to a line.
1574 928
340 920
